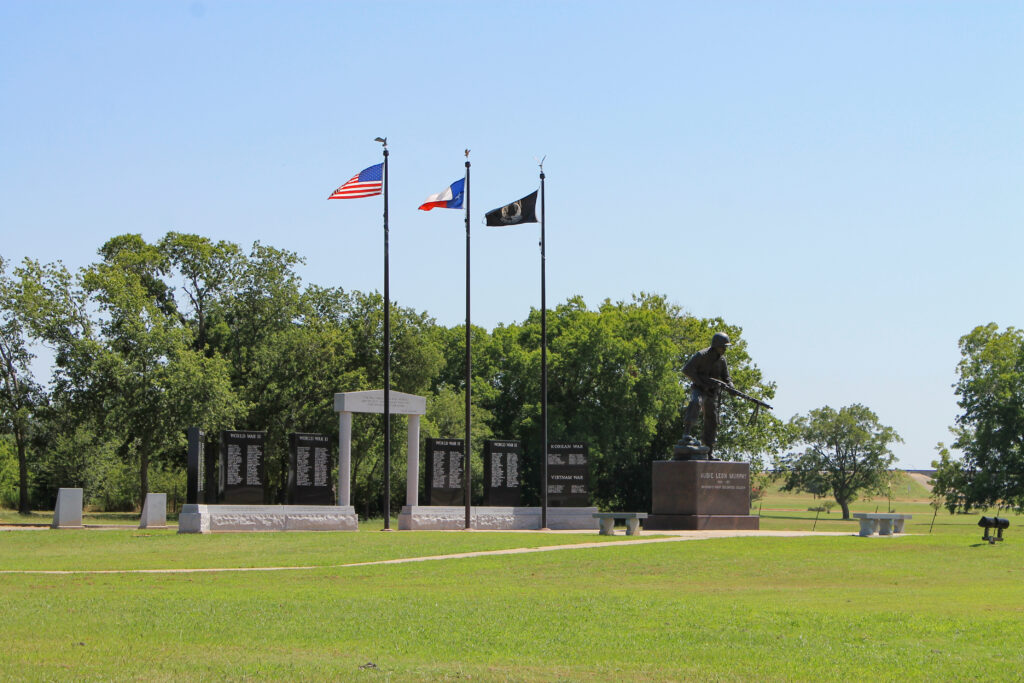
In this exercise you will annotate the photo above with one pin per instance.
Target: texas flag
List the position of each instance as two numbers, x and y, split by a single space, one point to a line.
450 198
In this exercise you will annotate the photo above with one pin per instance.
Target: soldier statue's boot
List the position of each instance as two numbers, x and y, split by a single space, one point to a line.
689 448
709 455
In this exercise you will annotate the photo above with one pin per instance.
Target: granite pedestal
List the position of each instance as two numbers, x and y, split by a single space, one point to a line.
440 517
699 495
204 519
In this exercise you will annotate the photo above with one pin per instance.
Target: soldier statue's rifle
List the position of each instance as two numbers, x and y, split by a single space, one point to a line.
758 403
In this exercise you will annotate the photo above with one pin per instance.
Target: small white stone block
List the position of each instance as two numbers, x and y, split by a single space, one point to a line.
67 514
154 511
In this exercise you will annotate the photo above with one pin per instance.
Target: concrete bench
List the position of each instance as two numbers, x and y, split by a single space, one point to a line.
632 520
882 523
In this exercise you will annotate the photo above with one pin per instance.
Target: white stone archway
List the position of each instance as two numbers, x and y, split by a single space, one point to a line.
373 402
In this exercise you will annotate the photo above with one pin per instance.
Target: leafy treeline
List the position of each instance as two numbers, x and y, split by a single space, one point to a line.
153 338
990 430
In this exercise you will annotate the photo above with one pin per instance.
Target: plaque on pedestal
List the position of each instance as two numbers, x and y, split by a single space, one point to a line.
568 475
241 455
501 472
309 474
444 473
700 494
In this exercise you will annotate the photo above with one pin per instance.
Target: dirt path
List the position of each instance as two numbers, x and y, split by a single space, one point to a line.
665 537
922 479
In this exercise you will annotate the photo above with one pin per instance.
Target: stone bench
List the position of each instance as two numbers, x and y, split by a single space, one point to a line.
632 520
882 523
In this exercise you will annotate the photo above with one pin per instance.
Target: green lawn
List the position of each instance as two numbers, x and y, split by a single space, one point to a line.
938 606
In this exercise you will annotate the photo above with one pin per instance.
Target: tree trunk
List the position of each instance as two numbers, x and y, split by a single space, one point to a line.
23 504
846 509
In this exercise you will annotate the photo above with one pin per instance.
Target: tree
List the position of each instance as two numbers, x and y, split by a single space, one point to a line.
8 472
265 298
207 269
950 482
140 377
36 304
990 430
614 380
846 454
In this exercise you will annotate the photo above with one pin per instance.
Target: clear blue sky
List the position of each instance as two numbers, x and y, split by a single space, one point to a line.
841 179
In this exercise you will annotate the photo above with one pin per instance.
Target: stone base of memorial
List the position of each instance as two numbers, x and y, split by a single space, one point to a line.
698 495
441 517
205 519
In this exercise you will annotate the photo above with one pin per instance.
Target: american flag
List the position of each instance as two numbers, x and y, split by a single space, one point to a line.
366 183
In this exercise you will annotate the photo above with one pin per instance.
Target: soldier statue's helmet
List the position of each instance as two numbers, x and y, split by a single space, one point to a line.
720 340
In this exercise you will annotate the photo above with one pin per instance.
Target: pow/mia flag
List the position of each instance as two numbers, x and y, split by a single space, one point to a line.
522 211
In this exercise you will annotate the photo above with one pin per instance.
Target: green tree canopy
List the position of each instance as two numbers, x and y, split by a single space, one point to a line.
154 338
139 376
990 429
37 304
614 381
846 453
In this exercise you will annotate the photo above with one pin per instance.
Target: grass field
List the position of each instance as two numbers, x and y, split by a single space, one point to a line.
938 606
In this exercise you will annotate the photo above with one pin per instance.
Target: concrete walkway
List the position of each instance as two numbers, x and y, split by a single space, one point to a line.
663 537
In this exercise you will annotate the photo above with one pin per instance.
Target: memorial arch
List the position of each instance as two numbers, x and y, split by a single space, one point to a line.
373 402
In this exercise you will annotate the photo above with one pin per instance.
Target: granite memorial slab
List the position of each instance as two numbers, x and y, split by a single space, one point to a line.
309 474
444 472
568 474
197 478
242 468
501 473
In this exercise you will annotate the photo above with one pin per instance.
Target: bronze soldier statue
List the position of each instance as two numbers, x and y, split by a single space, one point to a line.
708 371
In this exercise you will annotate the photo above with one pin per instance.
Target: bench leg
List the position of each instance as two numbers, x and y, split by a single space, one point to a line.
632 527
885 527
868 526
607 526
897 526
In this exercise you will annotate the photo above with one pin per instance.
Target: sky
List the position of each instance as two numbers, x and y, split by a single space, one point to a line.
840 179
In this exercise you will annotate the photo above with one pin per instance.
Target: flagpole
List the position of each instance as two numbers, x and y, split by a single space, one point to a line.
387 356
469 365
543 360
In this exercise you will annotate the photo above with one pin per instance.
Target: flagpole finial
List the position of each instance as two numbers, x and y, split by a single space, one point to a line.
383 141
540 162
467 153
